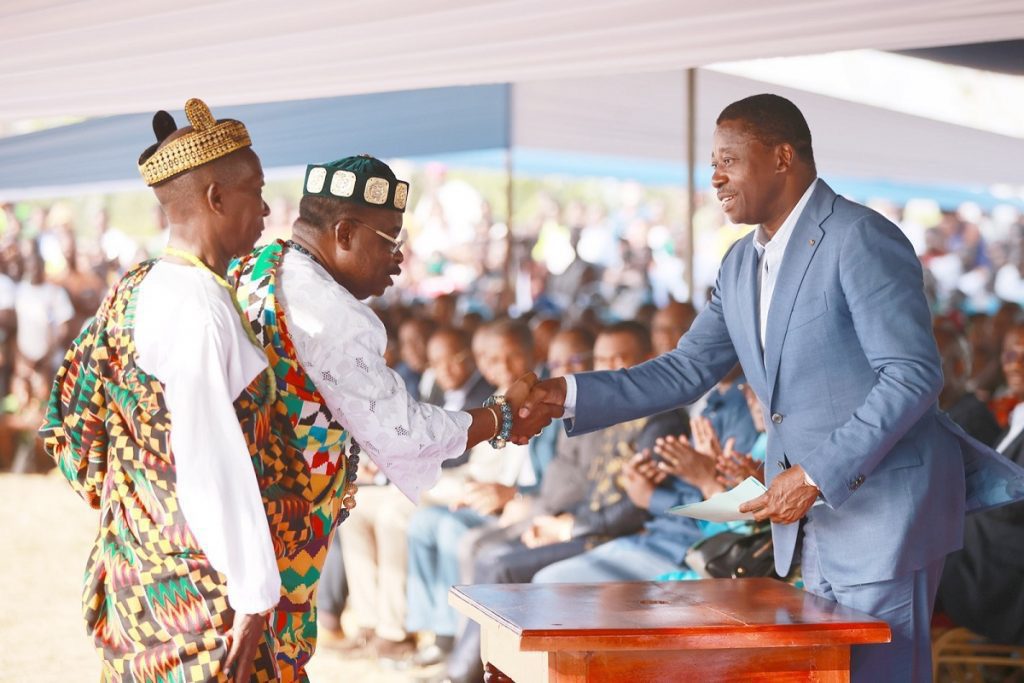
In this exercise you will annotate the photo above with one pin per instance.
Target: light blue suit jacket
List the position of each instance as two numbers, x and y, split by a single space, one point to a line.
848 380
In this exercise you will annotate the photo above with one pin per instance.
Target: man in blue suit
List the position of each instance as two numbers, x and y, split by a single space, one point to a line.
823 307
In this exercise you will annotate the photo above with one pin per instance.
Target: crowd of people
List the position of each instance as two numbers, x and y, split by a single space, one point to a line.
592 289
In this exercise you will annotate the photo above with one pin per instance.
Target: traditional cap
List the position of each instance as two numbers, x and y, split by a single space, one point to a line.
208 140
362 179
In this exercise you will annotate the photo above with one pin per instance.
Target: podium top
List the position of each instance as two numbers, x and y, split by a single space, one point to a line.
711 614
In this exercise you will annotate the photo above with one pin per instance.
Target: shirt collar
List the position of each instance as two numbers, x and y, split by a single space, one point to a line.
781 237
1017 417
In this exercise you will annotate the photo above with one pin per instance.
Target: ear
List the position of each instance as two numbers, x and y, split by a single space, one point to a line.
343 234
784 157
215 198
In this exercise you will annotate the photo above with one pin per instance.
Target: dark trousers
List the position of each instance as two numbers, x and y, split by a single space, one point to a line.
333 589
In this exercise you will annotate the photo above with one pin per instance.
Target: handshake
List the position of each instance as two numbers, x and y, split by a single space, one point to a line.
534 404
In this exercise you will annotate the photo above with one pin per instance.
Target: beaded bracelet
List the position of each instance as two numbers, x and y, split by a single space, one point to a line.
502 437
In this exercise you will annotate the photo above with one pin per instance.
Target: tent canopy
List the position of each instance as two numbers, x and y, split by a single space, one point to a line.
626 126
103 57
1002 56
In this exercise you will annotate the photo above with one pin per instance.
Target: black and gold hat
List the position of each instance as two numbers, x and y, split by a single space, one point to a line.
208 140
362 179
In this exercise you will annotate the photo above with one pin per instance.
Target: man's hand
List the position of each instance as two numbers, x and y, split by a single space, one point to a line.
682 460
516 510
734 468
705 439
787 500
547 530
545 402
754 405
519 390
487 499
246 633
640 476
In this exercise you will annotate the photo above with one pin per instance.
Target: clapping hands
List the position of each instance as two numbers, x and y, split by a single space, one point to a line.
640 476
681 459
704 462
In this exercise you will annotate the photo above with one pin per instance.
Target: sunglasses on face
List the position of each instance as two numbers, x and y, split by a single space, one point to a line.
397 242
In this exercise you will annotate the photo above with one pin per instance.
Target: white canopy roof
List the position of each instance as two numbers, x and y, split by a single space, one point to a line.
99 57
643 116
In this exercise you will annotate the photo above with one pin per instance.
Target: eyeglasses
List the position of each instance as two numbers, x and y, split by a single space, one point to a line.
457 359
1011 356
576 359
398 242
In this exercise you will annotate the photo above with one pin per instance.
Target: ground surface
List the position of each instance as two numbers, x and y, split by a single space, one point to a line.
46 532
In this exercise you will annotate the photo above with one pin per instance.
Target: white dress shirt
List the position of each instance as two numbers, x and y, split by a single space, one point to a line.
340 342
455 399
1016 426
188 334
770 252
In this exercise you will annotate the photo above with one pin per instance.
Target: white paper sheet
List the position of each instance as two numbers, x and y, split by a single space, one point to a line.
724 506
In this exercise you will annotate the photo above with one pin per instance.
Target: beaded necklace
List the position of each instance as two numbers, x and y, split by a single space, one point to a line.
292 244
198 263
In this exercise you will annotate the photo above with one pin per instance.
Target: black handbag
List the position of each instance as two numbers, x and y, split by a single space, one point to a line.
732 555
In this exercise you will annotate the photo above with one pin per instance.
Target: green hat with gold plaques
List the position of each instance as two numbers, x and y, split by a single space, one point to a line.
362 179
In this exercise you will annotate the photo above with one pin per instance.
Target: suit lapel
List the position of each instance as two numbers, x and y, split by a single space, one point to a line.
747 288
803 243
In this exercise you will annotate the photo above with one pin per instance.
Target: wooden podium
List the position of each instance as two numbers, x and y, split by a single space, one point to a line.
717 630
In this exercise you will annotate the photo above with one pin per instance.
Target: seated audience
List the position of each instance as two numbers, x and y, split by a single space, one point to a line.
465 497
375 544
963 407
981 584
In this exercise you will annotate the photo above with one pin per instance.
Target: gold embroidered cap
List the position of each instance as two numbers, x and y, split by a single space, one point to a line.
362 179
208 140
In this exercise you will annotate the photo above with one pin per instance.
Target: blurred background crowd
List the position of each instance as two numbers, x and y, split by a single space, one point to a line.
586 253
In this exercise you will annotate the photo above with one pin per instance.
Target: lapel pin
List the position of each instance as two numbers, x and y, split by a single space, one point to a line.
810 242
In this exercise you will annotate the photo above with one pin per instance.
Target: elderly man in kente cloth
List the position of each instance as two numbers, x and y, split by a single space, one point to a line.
159 417
303 299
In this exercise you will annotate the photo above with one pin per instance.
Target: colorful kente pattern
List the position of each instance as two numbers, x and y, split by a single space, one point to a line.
316 442
156 609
